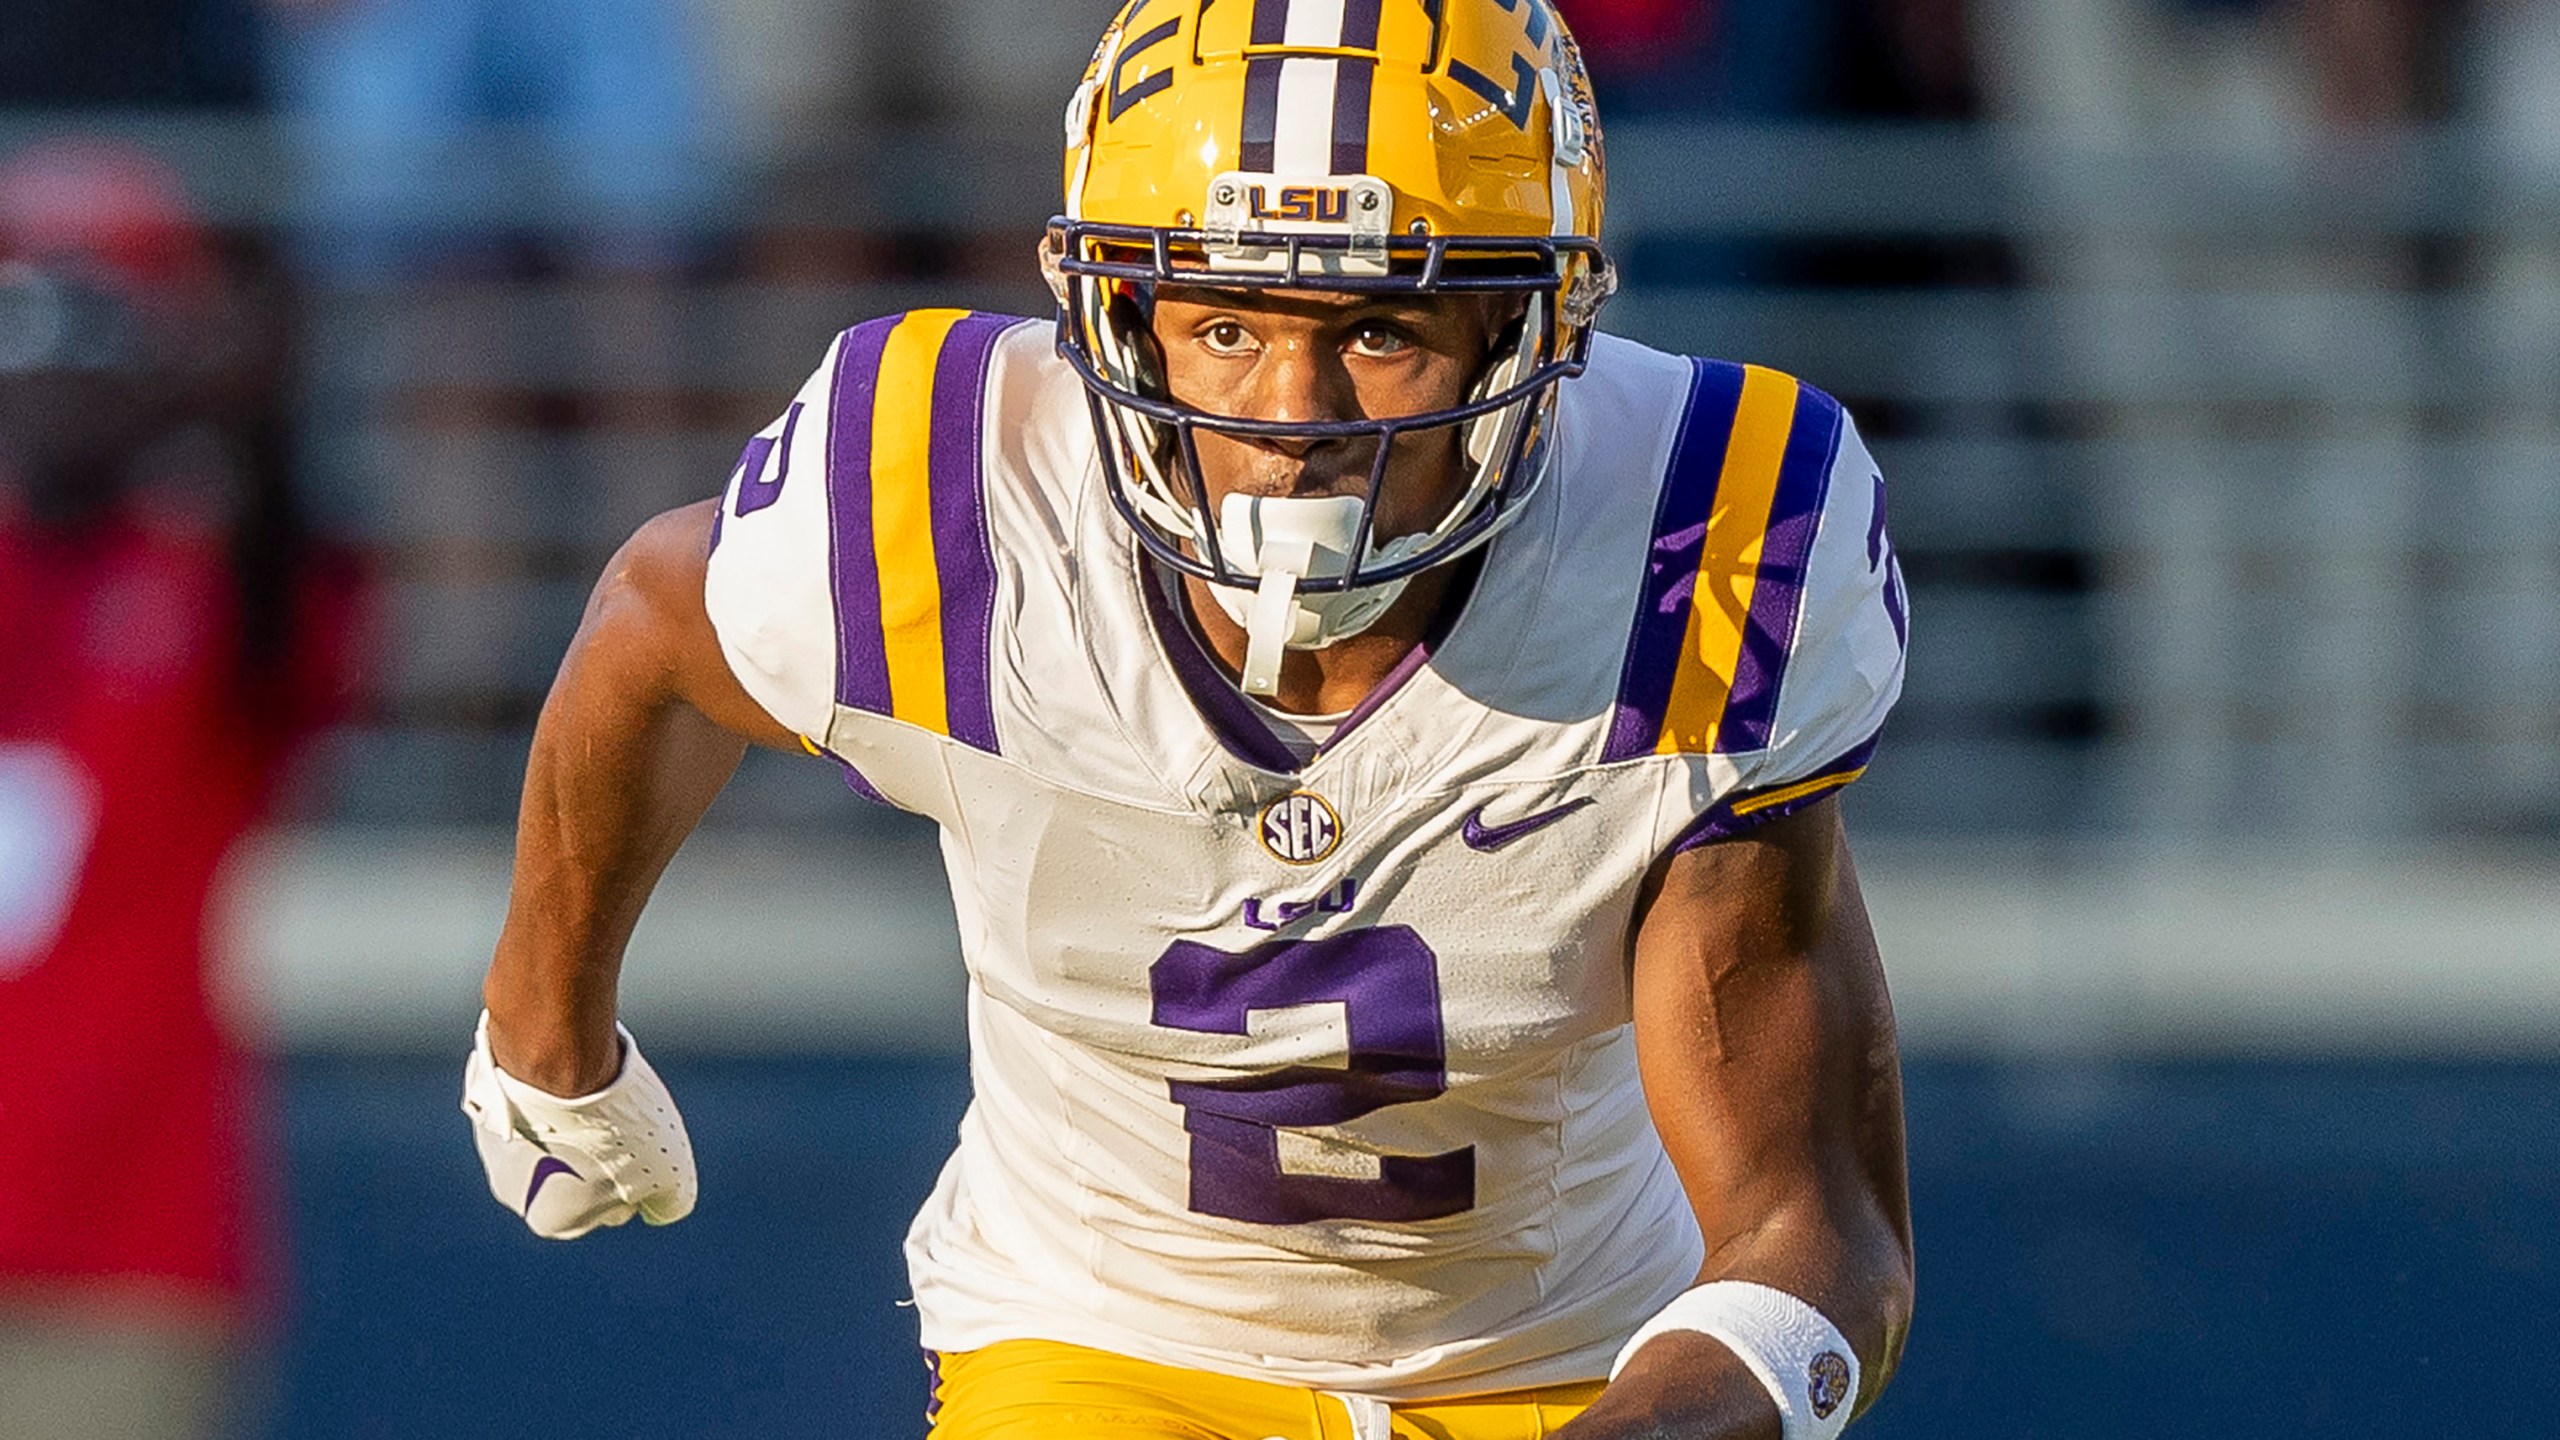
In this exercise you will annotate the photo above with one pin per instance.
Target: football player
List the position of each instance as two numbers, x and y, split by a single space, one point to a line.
1384 736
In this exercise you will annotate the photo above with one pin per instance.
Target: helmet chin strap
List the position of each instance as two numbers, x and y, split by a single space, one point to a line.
1286 540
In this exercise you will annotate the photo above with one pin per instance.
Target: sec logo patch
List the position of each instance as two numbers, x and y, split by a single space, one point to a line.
1300 829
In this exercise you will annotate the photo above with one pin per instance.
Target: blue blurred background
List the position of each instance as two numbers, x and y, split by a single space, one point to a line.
2211 348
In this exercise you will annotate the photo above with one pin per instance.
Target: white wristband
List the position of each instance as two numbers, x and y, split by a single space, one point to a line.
1801 1358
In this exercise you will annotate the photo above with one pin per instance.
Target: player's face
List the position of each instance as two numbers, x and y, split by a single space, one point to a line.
1307 355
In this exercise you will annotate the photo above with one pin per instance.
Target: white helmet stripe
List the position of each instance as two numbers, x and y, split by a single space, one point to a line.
1314 24
1303 142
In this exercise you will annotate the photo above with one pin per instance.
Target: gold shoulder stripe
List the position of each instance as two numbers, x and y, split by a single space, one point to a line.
1729 562
902 516
1797 791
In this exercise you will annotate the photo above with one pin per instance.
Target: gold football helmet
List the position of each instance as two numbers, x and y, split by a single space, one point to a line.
1407 146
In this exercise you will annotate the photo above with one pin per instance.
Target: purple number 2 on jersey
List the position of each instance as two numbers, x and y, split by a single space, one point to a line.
1388 984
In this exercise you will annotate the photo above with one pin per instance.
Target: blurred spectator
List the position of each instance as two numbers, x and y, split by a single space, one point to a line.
2141 107
414 117
1741 59
1775 60
1910 60
166 643
528 182
2509 88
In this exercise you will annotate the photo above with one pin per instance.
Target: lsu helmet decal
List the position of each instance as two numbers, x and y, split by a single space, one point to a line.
1397 146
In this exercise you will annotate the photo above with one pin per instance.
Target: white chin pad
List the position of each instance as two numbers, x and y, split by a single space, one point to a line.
1312 537
1284 540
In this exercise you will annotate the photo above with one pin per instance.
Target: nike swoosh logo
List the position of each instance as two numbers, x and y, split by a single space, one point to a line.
1489 838
543 1170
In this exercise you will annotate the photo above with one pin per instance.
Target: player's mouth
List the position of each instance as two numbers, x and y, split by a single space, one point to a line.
1319 471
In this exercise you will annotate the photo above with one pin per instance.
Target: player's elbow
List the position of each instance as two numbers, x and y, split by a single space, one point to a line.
1888 1292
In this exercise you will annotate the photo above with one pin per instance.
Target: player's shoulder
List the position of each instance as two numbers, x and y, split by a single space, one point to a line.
855 565
1702 405
1748 545
938 373
974 407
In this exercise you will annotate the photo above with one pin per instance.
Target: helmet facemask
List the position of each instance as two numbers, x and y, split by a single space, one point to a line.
1303 573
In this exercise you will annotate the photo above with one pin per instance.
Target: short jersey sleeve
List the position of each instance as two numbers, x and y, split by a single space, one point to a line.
768 587
1769 639
852 582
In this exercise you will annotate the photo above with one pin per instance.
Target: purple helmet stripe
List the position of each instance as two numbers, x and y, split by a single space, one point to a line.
1360 24
1261 113
961 550
862 654
1353 80
1671 574
1270 21
1777 595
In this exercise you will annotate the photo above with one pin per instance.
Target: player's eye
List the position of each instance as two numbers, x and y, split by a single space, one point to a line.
1378 341
1226 338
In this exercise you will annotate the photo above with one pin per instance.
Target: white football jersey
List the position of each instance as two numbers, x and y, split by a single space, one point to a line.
1318 1073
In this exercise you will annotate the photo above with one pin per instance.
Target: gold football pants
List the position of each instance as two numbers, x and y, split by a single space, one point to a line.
1043 1390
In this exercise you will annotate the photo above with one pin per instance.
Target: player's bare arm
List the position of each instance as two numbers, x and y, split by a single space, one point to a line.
1767 1048
643 726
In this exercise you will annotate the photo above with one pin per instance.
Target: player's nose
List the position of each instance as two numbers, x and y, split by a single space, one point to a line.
1299 384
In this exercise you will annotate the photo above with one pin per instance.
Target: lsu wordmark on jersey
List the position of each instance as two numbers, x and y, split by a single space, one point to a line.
1300 1061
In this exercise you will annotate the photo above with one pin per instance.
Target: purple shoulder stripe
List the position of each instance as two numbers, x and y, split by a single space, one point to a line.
963 552
1741 814
947 425
1671 565
862 657
1777 596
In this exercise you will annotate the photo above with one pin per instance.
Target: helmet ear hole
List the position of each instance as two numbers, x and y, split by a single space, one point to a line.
1486 434
1133 325
1503 357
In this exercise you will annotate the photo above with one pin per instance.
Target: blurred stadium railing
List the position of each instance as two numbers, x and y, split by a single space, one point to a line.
2227 484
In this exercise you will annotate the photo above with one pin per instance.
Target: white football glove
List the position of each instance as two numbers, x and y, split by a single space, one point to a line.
568 1166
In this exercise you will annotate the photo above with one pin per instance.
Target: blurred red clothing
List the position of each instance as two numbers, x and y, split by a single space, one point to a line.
133 755
1630 29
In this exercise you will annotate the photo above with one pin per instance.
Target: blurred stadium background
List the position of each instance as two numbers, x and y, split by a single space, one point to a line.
2212 351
